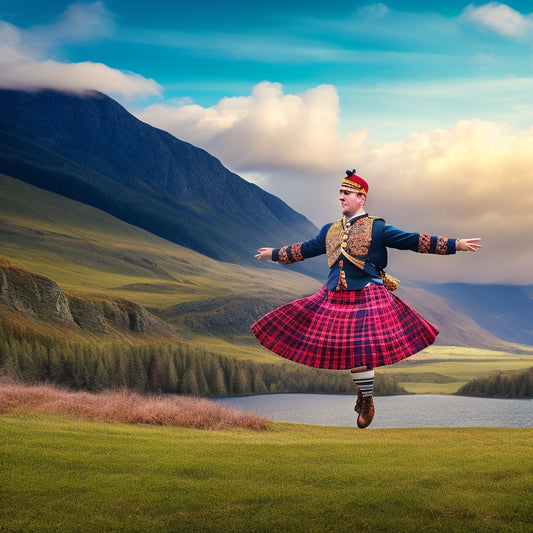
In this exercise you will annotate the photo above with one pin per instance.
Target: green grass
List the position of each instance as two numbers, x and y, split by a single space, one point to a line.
444 369
61 474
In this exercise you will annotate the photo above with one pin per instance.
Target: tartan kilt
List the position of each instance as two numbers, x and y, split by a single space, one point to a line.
347 329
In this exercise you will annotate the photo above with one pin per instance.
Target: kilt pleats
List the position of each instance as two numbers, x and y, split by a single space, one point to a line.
341 330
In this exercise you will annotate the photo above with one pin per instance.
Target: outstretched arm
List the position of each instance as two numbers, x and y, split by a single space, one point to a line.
297 251
468 245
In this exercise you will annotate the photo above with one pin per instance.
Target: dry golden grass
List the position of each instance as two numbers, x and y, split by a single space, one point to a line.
125 406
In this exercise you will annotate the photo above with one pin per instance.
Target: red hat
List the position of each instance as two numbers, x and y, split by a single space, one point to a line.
355 182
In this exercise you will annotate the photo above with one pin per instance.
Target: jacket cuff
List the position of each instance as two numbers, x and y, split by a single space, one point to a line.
290 254
431 244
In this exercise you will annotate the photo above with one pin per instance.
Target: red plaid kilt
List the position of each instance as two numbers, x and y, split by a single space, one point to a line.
347 329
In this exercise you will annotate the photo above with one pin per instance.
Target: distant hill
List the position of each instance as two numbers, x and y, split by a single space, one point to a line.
506 310
89 148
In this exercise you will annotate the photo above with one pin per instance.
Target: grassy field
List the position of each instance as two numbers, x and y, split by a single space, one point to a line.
444 369
59 474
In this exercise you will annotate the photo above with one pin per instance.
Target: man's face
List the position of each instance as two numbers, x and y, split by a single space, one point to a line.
351 202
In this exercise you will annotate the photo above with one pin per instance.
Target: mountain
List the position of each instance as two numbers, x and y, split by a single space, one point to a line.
506 310
89 148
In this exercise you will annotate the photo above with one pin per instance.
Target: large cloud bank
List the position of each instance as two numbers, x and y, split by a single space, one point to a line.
473 180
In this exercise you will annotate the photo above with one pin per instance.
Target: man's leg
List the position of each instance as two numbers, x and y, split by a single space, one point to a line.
364 379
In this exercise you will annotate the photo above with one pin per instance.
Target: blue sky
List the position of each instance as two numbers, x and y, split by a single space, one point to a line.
429 100
400 66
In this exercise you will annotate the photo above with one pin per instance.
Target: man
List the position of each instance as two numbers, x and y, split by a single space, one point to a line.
353 322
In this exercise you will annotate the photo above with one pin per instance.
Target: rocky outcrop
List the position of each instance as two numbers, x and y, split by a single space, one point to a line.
32 295
38 297
104 315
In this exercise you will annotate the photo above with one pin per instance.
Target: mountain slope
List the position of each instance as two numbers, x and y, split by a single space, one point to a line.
89 148
85 249
506 310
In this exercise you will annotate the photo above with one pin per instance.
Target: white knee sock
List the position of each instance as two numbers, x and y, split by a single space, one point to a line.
364 381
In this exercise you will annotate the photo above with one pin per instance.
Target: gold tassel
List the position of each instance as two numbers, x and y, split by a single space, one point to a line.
390 283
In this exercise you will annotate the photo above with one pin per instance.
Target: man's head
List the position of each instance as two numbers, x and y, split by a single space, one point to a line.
352 194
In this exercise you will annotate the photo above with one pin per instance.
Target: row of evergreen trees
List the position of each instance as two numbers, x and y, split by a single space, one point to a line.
518 384
169 368
183 369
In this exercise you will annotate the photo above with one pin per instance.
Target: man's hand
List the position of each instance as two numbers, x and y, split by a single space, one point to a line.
468 245
264 254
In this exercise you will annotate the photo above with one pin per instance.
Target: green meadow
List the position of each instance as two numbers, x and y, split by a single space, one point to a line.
60 474
444 369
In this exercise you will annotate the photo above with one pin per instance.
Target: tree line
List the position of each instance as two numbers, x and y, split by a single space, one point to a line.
174 367
517 384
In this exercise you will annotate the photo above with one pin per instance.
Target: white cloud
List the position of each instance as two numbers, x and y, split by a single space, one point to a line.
288 130
500 18
80 22
22 51
475 179
374 11
30 74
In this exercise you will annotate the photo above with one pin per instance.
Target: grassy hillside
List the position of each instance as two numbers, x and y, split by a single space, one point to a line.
86 250
61 475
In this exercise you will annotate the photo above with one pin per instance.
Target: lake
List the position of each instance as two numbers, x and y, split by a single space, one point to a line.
406 411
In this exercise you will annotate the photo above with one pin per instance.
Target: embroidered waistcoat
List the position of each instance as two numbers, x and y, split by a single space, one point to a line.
352 241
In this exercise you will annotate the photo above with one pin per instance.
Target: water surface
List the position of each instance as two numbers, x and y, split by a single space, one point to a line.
407 411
